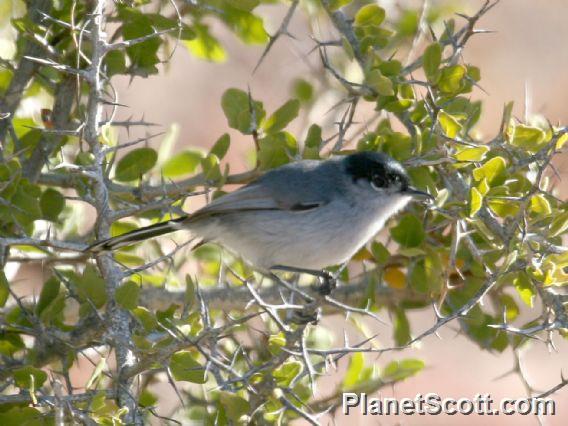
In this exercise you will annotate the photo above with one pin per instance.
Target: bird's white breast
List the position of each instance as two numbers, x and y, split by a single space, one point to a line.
311 239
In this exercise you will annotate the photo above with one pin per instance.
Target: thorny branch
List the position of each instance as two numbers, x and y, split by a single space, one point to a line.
209 318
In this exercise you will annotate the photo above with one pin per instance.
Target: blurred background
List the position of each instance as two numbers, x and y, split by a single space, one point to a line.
525 60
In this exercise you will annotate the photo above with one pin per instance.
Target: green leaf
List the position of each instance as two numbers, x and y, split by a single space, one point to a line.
282 117
491 170
211 168
51 204
146 318
525 288
234 405
115 63
23 377
507 114
189 297
431 61
91 286
183 163
409 232
147 399
401 332
205 46
237 108
4 289
276 150
221 147
559 225
247 26
337 4
398 105
503 207
540 205
246 5
528 138
143 56
450 126
18 416
26 203
380 253
511 308
354 370
127 295
48 294
96 372
381 84
134 164
475 201
312 143
471 154
561 141
451 79
400 370
483 187
184 367
370 15
303 90
287 372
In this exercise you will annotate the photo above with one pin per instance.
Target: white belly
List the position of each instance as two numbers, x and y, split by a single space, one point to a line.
313 239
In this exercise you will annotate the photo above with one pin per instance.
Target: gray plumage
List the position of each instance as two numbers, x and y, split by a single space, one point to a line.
308 214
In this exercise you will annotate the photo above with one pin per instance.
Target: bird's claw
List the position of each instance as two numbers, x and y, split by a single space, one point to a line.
328 283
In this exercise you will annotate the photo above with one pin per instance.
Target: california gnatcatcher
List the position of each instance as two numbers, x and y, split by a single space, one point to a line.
302 216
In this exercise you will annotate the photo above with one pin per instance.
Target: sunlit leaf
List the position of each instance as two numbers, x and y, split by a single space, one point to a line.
450 126
491 170
528 138
475 201
472 154
451 79
540 205
205 46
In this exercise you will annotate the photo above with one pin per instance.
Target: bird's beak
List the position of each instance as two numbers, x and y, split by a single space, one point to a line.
420 195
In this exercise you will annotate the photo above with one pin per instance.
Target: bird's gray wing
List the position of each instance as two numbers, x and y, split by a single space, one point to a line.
254 198
295 188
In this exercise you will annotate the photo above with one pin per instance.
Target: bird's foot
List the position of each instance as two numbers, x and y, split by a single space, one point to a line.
328 283
310 314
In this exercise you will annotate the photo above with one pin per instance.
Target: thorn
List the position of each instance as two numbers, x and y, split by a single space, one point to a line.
437 311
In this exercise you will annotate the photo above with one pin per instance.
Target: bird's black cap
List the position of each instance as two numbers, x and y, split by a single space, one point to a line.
382 171
378 168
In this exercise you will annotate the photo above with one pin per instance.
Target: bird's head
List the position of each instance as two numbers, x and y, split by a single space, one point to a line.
382 174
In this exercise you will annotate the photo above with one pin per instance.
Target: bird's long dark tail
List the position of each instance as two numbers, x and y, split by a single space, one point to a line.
140 234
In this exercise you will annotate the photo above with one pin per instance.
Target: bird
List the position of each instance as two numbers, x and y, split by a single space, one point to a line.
303 217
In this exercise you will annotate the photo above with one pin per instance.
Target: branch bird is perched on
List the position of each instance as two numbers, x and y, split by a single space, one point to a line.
300 217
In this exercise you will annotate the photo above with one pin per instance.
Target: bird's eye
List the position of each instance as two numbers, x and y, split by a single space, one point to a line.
378 181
